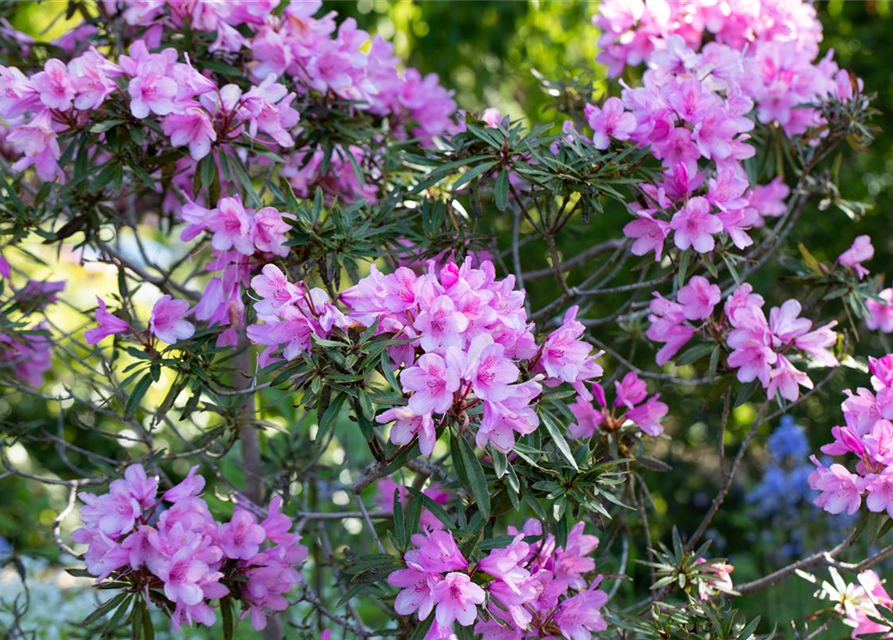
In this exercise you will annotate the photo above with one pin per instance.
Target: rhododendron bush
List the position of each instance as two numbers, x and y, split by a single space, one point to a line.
325 388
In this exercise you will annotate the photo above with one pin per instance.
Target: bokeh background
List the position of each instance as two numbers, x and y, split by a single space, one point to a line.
490 53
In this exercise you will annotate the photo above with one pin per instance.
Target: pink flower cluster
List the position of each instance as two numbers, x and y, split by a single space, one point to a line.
868 433
633 403
765 50
531 590
173 543
466 334
861 604
759 348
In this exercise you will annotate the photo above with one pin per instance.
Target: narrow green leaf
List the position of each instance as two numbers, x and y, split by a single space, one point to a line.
476 478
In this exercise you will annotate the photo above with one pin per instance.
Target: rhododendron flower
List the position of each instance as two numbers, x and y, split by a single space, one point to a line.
407 425
579 615
231 227
649 234
433 381
436 552
609 121
841 490
456 597
39 146
241 537
647 416
416 593
861 251
440 324
166 322
54 85
698 298
880 314
193 127
694 226
667 326
108 325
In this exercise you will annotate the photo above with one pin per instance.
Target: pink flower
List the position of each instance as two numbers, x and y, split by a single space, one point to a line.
751 348
491 117
108 325
648 416
698 298
456 597
54 85
786 380
407 425
563 354
786 324
275 289
588 418
190 126
436 552
881 371
166 322
190 487
818 342
181 576
667 326
268 232
231 227
489 371
505 564
440 324
152 91
579 615
880 492
841 490
241 537
861 251
880 316
649 235
695 226
433 381
416 594
38 143
609 121
630 391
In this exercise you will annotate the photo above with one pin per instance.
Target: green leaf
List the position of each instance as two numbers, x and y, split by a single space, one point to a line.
501 191
473 173
328 415
560 443
399 522
103 609
476 477
422 629
136 396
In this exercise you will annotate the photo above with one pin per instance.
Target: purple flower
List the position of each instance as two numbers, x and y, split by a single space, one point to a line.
166 322
108 325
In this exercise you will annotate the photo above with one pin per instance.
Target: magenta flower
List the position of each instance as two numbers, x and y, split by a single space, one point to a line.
190 487
860 251
166 322
818 342
588 418
786 324
505 564
786 380
433 381
880 316
489 371
841 490
416 590
181 575
231 227
54 85
880 492
649 234
563 354
268 231
152 91
436 552
457 597
190 126
647 416
108 325
695 226
241 537
667 326
440 324
698 298
609 121
579 615
407 425
39 146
